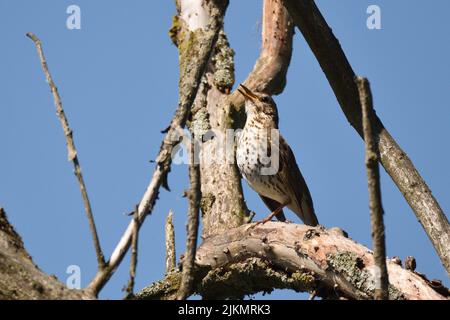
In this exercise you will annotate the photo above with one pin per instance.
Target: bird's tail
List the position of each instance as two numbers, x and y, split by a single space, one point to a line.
308 214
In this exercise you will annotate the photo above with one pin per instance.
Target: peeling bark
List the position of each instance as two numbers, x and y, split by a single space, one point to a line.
246 260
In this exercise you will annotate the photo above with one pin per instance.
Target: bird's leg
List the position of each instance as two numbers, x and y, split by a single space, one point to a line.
270 216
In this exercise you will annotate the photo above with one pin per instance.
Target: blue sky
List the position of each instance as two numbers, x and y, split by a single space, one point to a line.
118 78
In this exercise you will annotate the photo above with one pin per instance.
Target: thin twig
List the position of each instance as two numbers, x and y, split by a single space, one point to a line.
373 180
71 150
188 90
170 244
187 278
134 255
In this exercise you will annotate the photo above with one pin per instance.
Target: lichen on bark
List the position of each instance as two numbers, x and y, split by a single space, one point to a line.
250 277
352 267
165 289
222 202
223 61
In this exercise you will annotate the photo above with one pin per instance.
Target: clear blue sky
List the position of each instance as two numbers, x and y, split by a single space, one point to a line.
118 77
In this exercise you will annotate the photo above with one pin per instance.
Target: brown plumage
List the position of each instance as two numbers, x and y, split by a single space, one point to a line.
278 185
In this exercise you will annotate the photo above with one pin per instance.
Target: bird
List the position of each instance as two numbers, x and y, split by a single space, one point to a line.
278 181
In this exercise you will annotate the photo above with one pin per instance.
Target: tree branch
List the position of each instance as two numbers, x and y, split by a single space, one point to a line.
71 150
192 227
245 260
269 73
197 47
171 260
373 179
134 256
340 75
222 204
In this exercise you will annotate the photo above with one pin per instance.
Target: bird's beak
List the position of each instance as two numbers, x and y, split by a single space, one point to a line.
247 93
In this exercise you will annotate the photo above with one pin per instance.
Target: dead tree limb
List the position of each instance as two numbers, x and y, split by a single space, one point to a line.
171 260
198 46
373 179
397 164
134 256
71 150
194 195
243 261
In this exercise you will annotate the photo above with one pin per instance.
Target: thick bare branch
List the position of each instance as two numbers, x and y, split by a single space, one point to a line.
397 164
247 260
373 179
269 73
71 150
222 204
194 195
171 260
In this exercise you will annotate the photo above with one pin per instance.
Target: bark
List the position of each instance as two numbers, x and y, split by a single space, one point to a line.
222 202
20 278
244 261
171 260
397 164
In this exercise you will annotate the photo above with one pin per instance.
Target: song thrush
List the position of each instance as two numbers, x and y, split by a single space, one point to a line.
278 181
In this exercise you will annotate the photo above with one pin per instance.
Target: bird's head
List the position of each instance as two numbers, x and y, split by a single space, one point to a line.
259 104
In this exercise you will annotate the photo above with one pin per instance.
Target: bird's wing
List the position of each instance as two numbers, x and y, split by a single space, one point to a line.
273 205
293 179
